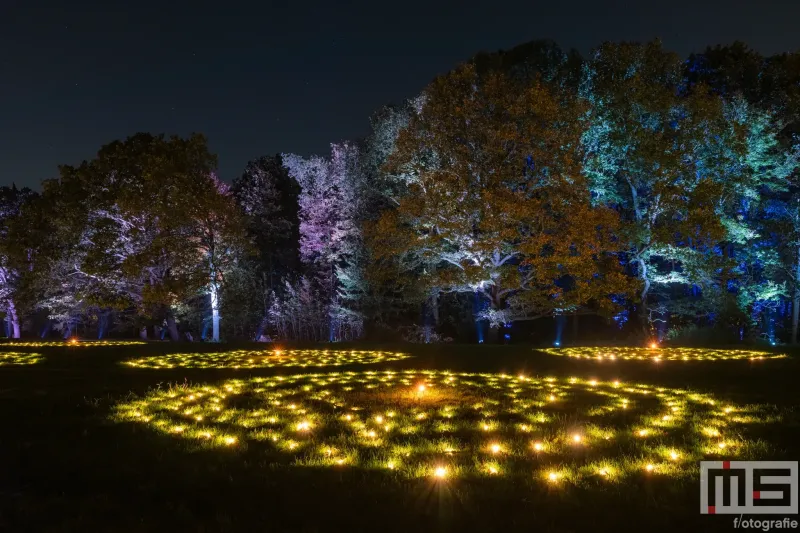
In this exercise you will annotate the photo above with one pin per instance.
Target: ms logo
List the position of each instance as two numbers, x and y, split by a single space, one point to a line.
752 487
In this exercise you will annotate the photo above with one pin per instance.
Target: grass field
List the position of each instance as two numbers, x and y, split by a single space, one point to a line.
452 438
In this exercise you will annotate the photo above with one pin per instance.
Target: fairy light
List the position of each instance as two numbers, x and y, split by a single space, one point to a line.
649 467
207 416
440 472
19 358
655 353
246 359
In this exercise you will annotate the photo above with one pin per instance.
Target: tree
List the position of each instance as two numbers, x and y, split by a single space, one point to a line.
135 209
330 238
12 203
666 158
496 202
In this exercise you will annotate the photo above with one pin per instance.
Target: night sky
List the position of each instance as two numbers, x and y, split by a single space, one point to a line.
260 78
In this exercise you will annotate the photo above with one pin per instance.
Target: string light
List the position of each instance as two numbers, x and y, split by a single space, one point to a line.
244 359
656 354
19 358
293 405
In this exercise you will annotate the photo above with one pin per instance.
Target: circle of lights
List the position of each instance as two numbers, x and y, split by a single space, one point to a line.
19 358
244 359
443 424
627 353
69 343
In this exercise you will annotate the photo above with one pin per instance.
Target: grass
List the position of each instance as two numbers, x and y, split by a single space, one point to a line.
78 459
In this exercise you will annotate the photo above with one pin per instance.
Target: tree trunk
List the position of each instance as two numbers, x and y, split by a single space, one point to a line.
796 299
143 333
13 318
645 290
172 327
494 334
575 322
214 312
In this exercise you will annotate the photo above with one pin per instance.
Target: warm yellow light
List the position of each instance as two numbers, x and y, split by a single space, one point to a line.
653 345
649 467
440 472
495 448
421 388
303 426
674 456
538 446
230 441
553 477
390 465
722 445
492 470
552 398
642 432
379 419
576 438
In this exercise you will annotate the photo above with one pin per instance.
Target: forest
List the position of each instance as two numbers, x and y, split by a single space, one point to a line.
534 194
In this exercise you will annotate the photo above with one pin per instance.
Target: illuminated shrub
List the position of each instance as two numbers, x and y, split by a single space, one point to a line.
601 353
442 425
265 359
19 358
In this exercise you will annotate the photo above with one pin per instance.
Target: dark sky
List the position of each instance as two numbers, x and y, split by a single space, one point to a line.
260 77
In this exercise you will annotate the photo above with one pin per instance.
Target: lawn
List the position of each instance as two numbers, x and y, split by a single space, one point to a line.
174 437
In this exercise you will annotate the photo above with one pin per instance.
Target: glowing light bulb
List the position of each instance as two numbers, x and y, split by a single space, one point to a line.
379 419
552 398
390 465
230 441
440 472
421 389
653 345
492 470
538 446
495 448
649 467
642 432
576 438
553 477
722 445
603 472
593 383
674 456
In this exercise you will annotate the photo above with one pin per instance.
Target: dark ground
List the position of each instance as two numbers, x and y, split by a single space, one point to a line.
67 467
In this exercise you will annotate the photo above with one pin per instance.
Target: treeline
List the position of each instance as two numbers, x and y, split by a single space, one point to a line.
656 192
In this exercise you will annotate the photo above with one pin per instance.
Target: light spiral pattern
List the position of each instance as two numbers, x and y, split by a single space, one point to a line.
19 358
70 343
628 353
266 359
442 424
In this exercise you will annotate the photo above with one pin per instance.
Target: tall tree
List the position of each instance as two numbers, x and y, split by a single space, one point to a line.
496 200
